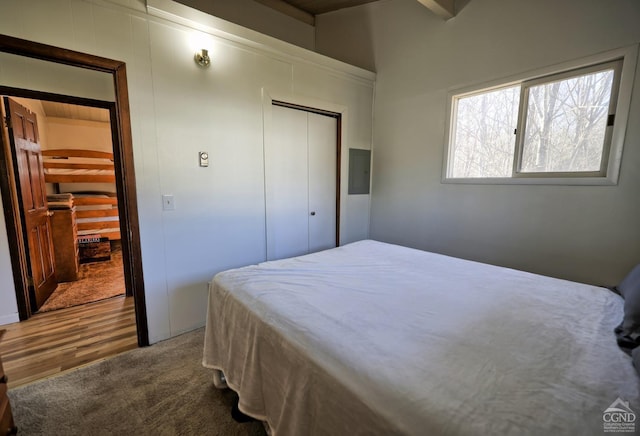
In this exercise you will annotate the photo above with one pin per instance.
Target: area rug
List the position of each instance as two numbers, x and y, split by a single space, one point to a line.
158 390
97 281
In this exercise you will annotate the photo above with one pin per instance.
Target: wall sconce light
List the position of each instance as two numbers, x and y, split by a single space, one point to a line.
202 58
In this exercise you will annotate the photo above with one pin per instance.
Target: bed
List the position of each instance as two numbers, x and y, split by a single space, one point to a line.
78 172
377 339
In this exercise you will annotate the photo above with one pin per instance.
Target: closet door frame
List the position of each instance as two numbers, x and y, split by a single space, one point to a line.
314 106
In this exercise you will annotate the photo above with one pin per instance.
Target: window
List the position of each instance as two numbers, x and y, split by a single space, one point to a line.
554 127
483 140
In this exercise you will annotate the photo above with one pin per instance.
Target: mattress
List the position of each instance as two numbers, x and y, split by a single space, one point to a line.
373 338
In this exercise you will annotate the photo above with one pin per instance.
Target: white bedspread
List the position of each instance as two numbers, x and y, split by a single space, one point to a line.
377 339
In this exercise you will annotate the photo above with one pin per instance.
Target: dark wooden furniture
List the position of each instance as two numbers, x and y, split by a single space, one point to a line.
7 426
65 243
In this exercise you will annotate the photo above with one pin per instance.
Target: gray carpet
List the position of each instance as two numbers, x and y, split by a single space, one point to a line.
158 390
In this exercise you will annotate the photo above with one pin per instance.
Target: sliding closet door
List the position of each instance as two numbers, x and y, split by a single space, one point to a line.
322 137
300 183
286 156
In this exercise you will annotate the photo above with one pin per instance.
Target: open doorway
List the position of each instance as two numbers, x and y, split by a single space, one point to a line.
70 146
122 161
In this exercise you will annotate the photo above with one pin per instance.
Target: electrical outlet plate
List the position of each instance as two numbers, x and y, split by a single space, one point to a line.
168 202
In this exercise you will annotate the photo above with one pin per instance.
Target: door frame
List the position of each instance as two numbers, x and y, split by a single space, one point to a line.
123 163
338 118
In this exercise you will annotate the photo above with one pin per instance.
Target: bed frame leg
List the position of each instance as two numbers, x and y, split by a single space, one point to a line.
238 416
218 379
220 382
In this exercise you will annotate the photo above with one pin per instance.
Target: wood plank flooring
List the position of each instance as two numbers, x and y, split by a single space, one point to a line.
53 342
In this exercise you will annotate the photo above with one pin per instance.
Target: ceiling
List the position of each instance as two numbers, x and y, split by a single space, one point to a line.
315 7
306 10
74 112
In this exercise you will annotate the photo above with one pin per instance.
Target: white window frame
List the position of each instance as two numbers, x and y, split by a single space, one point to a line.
614 138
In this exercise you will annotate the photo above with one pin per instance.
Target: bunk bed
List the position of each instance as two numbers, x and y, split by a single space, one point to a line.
96 210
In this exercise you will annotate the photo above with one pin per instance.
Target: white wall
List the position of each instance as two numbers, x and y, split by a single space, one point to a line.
8 305
78 134
583 233
346 34
178 109
84 135
40 75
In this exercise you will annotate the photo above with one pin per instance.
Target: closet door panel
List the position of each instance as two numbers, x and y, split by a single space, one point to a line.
322 140
286 186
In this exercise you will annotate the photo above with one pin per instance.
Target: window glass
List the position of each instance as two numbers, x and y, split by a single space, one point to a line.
566 124
483 139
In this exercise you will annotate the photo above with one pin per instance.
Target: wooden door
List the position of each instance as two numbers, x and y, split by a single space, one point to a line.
27 157
300 183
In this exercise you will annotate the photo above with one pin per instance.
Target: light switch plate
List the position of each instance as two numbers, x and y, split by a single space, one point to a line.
204 158
168 202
